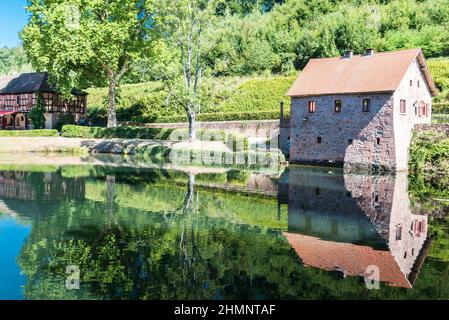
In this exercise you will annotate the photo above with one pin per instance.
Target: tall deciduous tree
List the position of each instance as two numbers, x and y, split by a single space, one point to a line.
190 22
90 42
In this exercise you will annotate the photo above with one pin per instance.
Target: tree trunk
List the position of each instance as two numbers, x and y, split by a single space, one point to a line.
192 126
112 112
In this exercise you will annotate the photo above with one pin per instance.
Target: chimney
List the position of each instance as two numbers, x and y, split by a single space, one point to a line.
348 54
369 52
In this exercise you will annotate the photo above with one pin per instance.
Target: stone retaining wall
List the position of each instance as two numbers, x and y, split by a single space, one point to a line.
432 127
252 129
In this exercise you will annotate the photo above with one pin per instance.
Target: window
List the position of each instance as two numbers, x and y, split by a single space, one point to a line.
403 106
317 191
419 84
312 106
411 83
337 107
18 100
366 105
399 232
378 141
422 110
319 140
350 141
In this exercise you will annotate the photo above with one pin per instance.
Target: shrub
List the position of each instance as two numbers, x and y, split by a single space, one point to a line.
228 116
71 131
440 108
237 142
29 133
440 118
36 115
65 119
232 98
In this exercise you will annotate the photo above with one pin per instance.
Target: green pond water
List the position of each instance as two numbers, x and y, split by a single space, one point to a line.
216 233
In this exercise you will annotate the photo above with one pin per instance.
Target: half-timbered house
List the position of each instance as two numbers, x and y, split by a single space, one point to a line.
19 94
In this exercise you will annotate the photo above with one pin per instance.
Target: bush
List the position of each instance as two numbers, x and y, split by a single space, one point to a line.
440 108
232 98
29 133
229 116
71 131
237 142
440 118
63 120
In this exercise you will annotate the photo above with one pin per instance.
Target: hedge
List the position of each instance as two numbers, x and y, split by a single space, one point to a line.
235 98
225 116
72 131
440 108
29 133
440 118
236 142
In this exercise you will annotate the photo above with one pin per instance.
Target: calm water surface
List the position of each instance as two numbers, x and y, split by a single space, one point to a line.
212 233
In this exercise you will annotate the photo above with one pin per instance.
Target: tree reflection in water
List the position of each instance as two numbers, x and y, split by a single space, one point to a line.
158 234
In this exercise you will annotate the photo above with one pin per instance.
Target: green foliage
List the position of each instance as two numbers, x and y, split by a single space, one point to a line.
71 131
440 118
29 133
228 116
36 115
440 108
64 119
13 60
231 99
439 68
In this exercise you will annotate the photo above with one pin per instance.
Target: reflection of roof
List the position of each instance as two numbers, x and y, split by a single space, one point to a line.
351 258
28 83
380 72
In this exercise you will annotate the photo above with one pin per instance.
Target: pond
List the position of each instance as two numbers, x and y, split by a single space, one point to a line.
89 229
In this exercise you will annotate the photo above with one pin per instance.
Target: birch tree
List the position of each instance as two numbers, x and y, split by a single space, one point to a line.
190 25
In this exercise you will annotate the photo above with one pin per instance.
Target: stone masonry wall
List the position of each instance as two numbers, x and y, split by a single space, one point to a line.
350 137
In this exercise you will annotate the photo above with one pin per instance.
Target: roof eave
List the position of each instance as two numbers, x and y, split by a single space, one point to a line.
340 93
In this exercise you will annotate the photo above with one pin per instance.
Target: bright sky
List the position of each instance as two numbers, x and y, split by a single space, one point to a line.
12 19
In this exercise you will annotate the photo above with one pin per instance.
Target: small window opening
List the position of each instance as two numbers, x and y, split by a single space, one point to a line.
350 141
312 106
319 140
366 105
338 106
378 141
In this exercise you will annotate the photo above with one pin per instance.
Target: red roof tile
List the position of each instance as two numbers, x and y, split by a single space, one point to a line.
351 258
380 72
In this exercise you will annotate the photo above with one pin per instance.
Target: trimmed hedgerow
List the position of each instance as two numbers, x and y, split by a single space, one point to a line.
228 116
70 131
440 108
29 133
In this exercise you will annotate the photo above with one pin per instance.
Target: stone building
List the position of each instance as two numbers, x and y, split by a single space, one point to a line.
347 222
359 110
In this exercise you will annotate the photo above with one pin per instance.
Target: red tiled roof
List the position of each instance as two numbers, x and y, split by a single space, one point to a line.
380 72
353 259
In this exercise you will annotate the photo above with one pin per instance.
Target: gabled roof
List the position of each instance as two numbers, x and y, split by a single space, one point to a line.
28 83
376 73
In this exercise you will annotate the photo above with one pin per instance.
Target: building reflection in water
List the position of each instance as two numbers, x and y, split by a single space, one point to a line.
349 222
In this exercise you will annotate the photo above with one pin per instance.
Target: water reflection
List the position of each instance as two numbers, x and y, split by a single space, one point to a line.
348 222
211 233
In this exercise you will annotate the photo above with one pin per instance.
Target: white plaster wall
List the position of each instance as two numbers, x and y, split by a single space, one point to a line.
50 120
403 124
407 249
